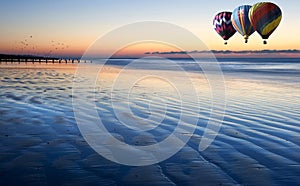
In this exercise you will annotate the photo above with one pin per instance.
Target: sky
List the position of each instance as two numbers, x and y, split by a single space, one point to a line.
69 27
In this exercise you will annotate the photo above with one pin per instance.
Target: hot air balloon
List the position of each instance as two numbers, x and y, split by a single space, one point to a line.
240 21
223 26
265 18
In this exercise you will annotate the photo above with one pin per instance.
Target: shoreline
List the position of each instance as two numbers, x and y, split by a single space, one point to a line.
115 68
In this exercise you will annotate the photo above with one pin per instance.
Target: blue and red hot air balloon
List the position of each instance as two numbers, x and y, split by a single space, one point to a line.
240 21
222 25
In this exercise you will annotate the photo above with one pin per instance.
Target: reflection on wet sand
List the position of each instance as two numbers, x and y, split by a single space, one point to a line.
40 143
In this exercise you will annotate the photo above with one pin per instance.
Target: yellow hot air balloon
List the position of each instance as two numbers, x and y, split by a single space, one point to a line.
265 18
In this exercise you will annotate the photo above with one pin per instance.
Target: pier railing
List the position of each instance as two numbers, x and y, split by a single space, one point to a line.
40 60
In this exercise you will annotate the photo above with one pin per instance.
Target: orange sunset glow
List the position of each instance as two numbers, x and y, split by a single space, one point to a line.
40 31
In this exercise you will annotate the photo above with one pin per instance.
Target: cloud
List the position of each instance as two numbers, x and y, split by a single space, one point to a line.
290 51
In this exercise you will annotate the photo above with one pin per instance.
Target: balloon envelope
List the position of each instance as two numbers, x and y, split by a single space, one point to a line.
265 18
222 25
240 21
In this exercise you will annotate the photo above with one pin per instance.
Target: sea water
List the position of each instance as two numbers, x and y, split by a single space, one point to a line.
258 142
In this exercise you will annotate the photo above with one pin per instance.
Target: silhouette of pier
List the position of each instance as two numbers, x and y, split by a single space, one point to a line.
38 59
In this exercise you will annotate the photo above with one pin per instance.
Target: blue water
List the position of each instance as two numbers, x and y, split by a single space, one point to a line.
258 144
284 69
265 66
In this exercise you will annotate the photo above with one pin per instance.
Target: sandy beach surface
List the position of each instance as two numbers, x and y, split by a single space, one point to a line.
40 143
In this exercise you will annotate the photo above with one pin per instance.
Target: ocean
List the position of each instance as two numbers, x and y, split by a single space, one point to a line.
141 102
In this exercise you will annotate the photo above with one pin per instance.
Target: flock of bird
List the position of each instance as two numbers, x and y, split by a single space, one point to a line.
29 47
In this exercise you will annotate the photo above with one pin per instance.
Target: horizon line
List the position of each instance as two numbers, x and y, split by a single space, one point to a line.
219 54
265 51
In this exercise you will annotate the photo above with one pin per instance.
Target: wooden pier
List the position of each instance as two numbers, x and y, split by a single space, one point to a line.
37 59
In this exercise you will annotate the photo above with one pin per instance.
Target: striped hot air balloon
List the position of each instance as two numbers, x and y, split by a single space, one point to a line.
222 25
240 21
265 18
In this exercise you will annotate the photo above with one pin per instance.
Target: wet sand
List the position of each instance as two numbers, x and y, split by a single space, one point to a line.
40 143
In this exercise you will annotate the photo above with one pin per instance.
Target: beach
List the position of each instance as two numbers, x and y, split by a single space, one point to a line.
258 142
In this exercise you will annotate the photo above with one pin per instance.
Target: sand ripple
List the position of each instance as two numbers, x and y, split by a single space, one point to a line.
258 143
